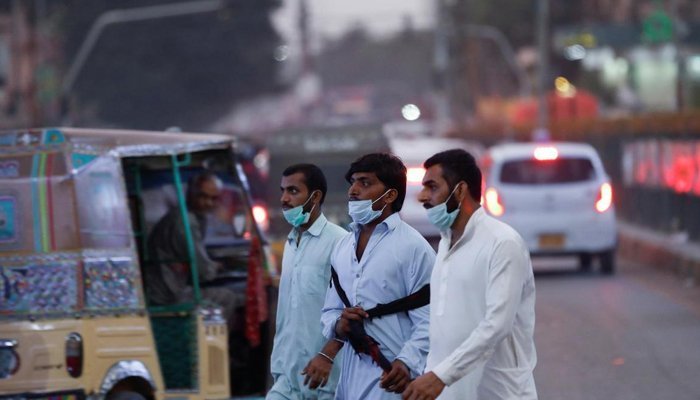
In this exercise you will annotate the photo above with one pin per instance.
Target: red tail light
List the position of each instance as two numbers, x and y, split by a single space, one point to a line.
74 354
604 200
493 202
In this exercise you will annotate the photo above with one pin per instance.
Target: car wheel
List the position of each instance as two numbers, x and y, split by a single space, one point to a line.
607 262
585 261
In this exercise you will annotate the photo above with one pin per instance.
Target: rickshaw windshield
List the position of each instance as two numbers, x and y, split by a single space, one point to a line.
208 245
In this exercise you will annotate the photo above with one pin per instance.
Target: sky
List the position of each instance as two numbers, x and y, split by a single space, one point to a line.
331 18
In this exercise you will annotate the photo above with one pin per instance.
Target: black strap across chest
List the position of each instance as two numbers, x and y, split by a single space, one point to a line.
417 299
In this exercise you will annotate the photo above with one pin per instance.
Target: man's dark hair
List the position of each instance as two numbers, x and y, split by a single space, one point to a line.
389 169
313 177
458 165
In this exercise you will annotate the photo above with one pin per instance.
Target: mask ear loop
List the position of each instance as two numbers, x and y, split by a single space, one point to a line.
307 201
459 202
384 194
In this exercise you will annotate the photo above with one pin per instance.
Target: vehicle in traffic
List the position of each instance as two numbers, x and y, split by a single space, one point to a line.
413 151
75 322
557 196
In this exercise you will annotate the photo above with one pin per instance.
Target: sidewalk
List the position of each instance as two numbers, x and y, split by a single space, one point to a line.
665 251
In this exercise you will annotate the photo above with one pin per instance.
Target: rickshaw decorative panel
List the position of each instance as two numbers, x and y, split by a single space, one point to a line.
39 288
111 284
43 213
8 221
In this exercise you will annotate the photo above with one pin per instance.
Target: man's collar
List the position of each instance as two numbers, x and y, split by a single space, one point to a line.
469 229
314 230
391 222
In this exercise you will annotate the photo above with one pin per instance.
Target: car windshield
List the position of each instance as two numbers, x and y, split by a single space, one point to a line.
536 172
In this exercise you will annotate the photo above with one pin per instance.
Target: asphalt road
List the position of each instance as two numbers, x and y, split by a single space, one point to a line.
635 335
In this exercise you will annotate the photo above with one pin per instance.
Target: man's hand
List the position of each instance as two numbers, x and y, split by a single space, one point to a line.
342 327
425 387
317 371
396 380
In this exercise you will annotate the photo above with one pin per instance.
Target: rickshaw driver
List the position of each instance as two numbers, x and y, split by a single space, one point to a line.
169 278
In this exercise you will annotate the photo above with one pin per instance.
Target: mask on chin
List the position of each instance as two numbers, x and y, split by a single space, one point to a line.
439 216
361 211
296 216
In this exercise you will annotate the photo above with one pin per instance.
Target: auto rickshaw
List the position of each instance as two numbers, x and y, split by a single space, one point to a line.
76 208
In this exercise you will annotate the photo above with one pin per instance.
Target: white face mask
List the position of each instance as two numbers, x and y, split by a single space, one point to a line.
361 211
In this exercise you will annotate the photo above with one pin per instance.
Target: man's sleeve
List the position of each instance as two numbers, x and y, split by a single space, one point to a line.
507 274
415 350
205 265
333 306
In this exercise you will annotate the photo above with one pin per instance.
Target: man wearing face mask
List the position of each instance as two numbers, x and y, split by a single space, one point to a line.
302 362
482 314
382 260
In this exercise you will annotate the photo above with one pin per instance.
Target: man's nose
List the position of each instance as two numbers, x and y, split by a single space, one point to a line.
352 190
423 196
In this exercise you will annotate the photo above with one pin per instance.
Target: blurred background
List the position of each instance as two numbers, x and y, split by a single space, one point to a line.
600 71
326 81
255 67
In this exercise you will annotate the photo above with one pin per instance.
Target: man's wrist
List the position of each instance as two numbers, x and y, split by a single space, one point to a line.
335 327
325 356
437 374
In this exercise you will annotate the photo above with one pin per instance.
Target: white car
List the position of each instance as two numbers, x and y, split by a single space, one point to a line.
413 152
557 196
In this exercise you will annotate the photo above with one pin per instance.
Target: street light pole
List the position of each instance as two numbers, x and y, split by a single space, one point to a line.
443 72
542 131
130 15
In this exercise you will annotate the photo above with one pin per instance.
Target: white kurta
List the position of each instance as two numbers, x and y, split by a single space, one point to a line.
482 317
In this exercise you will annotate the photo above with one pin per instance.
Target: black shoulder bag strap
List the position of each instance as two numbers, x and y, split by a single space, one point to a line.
339 289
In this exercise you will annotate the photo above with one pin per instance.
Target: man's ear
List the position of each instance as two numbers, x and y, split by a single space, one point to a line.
462 191
391 196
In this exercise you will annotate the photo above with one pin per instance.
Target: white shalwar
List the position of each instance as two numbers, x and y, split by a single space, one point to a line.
482 317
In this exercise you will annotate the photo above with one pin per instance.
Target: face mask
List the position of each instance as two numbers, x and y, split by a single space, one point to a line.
361 211
296 216
439 216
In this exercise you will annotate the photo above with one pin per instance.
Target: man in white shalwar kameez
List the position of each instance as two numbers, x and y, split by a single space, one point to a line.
482 303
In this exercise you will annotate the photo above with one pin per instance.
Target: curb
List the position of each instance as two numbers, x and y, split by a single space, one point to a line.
671 252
